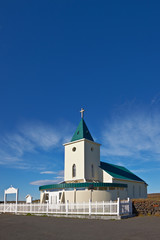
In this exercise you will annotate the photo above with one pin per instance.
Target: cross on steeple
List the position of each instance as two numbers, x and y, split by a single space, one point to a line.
82 112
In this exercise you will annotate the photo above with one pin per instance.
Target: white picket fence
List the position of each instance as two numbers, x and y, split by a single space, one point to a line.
97 208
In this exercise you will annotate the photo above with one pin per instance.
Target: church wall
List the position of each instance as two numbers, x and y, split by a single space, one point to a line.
107 177
95 195
74 157
122 193
92 157
83 196
135 189
69 196
100 196
109 195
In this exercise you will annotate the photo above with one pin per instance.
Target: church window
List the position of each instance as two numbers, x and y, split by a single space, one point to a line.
92 149
74 149
77 132
74 170
92 170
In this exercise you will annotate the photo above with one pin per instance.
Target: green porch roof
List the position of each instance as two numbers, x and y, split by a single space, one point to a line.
81 185
82 132
119 172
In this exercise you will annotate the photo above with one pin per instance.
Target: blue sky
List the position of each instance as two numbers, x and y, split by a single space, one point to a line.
59 56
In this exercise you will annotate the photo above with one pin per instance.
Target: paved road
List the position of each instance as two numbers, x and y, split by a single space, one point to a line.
36 228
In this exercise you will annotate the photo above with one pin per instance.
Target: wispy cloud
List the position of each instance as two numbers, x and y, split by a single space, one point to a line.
133 136
45 137
145 170
156 99
44 182
18 148
48 172
57 179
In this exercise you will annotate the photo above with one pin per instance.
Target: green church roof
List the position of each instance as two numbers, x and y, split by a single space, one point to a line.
82 132
119 172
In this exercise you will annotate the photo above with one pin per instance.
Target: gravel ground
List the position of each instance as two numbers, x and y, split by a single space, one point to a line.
37 228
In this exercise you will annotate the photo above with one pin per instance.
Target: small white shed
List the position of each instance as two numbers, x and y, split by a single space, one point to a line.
28 198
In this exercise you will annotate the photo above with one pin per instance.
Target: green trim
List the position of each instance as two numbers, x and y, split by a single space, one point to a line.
82 132
82 185
119 172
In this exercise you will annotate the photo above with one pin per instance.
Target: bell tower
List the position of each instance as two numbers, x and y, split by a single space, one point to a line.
82 156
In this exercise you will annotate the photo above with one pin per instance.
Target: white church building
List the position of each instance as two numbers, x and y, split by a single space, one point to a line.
87 178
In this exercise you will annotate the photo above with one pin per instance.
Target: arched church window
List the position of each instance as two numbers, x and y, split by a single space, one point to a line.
73 170
92 170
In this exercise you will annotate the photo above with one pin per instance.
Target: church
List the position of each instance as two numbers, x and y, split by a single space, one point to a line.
86 178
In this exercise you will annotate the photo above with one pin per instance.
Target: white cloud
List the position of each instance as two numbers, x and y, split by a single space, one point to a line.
133 136
42 136
32 139
44 182
48 172
60 173
145 170
156 100
17 144
57 179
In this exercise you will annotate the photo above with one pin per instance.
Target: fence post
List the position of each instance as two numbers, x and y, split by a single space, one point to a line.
128 200
66 207
118 206
130 205
96 207
90 210
4 207
110 207
16 208
47 206
5 198
103 207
